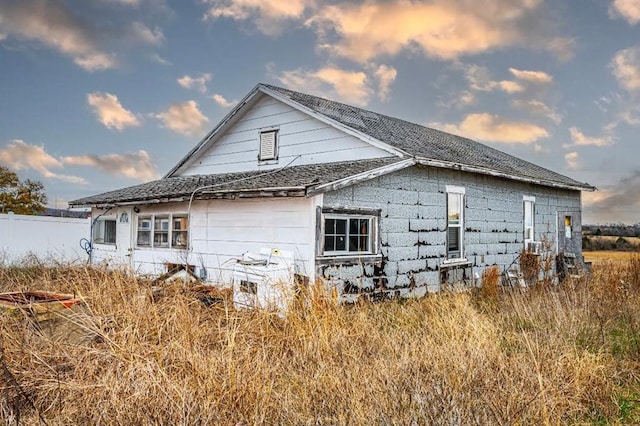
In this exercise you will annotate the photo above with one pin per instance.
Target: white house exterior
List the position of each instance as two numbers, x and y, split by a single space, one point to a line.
366 202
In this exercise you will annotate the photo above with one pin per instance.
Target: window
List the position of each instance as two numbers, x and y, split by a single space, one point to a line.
349 234
179 232
268 145
163 231
529 219
455 222
568 228
144 231
104 231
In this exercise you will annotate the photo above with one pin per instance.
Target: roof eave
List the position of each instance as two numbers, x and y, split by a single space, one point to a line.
485 171
360 177
223 123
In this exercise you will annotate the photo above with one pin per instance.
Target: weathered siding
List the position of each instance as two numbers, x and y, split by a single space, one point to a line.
299 135
413 224
222 230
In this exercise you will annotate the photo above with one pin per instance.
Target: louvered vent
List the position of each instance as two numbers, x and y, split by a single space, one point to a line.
268 145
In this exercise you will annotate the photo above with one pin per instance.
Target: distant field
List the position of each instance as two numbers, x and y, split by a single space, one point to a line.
600 256
632 240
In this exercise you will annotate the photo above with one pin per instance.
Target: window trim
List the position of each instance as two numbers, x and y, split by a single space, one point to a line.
276 140
151 231
372 215
460 191
104 231
527 199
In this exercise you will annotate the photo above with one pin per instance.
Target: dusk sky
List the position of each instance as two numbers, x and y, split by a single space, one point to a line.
101 94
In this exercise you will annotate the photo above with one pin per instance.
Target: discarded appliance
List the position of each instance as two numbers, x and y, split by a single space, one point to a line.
264 280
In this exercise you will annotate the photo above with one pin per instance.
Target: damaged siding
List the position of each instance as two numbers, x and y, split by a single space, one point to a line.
413 226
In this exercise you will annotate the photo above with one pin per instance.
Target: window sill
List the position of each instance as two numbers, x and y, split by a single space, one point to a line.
267 162
160 248
351 258
455 262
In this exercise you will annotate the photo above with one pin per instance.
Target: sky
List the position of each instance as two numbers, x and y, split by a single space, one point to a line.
101 94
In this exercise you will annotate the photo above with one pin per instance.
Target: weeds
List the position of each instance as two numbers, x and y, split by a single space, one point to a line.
565 354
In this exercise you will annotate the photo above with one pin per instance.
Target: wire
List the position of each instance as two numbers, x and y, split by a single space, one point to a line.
189 247
85 244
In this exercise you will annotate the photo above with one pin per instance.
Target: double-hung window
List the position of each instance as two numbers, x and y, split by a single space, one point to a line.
349 233
163 231
104 231
455 222
529 207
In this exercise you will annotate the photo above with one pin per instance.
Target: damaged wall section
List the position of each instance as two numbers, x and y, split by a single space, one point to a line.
413 225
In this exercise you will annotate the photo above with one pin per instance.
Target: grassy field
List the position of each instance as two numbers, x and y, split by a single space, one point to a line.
608 255
559 355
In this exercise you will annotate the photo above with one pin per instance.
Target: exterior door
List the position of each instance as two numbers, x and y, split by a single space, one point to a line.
124 232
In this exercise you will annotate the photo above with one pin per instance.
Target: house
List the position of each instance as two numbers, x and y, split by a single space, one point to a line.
366 202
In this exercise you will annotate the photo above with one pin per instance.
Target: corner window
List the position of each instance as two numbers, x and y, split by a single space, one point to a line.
455 222
349 233
104 231
529 206
162 231
268 149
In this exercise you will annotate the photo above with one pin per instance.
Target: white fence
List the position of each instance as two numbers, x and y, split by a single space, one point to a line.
52 238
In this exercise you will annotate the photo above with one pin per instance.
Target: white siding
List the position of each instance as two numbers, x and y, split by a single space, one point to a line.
222 230
299 135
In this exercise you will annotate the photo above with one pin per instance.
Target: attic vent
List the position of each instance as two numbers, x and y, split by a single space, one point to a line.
268 145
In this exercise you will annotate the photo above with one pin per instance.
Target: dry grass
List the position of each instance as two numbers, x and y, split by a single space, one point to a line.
548 355
608 255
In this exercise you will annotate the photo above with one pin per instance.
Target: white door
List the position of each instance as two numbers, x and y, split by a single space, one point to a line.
124 232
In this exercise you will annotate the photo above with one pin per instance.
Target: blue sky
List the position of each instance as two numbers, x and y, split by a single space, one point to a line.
97 95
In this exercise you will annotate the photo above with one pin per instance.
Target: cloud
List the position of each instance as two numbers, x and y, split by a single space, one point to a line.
147 35
269 15
220 100
572 159
492 128
110 112
617 202
19 155
537 77
625 66
628 10
579 138
196 83
479 79
53 24
442 29
562 48
136 165
184 118
348 86
623 107
537 107
385 75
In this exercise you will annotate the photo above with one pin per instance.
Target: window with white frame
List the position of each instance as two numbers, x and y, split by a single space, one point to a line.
349 234
104 231
163 231
529 207
268 149
455 222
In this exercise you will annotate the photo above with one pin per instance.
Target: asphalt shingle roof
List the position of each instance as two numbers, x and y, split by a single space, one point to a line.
181 187
415 140
421 141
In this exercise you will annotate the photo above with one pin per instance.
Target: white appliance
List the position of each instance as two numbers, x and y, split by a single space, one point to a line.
264 280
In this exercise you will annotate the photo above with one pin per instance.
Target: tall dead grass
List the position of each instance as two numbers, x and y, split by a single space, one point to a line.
550 355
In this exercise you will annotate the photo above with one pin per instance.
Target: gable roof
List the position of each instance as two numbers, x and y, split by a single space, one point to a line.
402 138
286 181
409 143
